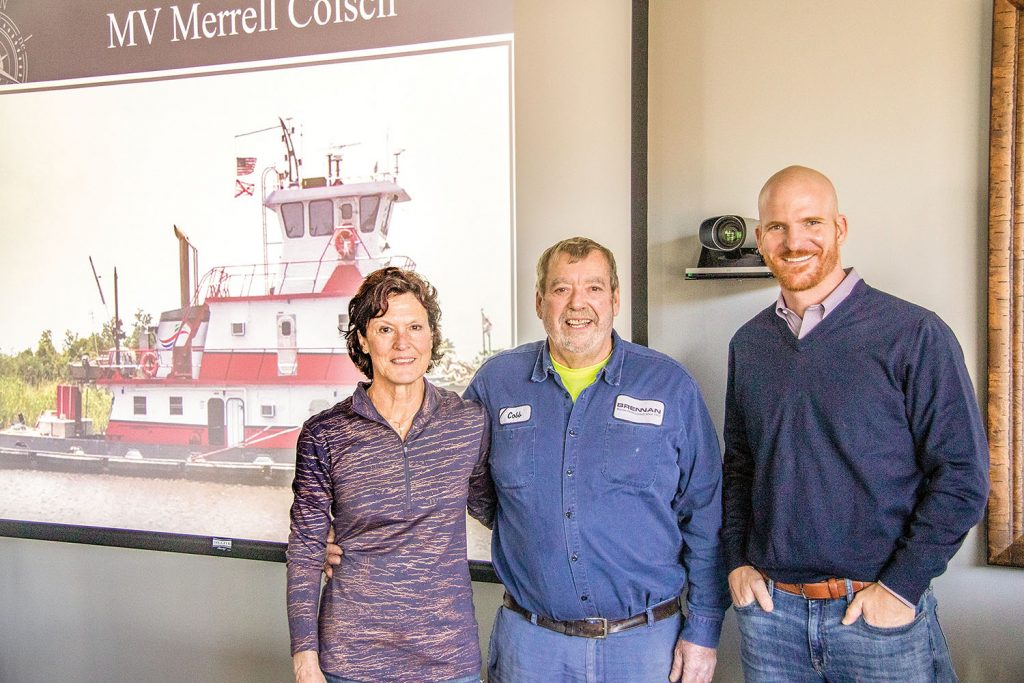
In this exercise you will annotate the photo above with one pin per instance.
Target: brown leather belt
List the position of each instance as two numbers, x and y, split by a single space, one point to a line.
829 589
595 627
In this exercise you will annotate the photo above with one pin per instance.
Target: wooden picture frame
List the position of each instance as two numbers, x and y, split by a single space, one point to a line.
1006 288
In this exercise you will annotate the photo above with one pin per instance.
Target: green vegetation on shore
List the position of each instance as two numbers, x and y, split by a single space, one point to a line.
29 378
30 400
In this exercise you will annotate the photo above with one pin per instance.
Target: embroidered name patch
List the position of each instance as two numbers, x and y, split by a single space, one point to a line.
510 416
638 410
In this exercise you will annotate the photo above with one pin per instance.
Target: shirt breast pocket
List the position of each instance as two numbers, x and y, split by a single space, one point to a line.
630 454
512 461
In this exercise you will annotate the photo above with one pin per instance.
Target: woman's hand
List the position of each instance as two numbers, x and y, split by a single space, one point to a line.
306 666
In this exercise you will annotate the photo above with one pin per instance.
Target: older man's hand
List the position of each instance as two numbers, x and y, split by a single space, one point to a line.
333 556
693 663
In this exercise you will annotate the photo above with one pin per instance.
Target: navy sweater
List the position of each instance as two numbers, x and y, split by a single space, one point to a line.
857 451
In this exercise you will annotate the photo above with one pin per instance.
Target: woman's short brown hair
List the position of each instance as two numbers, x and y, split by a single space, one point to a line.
371 301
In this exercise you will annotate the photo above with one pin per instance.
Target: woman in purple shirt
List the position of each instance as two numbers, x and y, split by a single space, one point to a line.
390 468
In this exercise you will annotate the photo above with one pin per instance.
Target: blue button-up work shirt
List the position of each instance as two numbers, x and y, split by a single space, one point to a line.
609 505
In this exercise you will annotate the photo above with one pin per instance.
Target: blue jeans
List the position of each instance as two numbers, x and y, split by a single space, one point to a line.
338 679
803 641
521 652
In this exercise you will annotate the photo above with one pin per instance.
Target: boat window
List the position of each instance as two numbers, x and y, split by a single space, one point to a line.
140 405
286 328
368 213
346 211
321 217
342 323
175 407
292 215
386 216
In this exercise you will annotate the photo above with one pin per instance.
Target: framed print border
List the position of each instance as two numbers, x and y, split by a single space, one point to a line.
480 570
1006 288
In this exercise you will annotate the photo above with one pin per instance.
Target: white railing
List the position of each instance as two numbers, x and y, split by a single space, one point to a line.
290 278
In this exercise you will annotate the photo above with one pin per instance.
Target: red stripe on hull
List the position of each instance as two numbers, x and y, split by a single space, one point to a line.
261 368
123 431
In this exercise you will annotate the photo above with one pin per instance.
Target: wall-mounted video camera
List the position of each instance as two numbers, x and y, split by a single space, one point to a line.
728 250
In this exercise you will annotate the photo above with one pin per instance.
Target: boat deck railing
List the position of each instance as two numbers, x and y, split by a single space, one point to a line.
294 277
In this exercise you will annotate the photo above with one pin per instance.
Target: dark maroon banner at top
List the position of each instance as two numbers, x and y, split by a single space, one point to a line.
55 40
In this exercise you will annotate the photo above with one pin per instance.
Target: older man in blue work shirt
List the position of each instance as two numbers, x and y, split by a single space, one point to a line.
608 480
607 471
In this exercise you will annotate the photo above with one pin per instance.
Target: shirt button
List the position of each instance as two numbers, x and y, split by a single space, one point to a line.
574 557
584 598
568 514
572 432
569 472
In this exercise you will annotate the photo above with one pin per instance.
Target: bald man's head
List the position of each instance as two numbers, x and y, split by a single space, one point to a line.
800 230
798 176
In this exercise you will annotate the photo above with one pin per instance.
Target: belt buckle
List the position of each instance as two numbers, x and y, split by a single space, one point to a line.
599 620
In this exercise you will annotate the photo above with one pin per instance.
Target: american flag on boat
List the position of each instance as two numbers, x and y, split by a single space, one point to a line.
245 165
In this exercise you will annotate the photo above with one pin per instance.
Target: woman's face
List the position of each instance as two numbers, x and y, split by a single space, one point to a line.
399 342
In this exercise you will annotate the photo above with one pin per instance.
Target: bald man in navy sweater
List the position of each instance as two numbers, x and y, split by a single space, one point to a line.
855 461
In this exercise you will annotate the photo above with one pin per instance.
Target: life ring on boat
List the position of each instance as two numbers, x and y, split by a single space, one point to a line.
345 243
149 364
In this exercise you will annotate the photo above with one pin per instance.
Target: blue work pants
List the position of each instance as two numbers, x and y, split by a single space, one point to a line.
522 652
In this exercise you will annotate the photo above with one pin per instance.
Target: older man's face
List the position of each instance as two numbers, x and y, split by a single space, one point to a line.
578 307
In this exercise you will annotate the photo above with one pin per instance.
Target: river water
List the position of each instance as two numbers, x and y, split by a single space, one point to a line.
181 506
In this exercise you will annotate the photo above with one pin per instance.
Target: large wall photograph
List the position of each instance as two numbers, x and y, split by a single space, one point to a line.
183 242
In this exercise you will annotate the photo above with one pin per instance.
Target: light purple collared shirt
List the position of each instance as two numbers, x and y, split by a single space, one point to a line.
801 327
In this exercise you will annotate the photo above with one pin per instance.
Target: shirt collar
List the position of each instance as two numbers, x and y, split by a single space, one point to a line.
362 404
612 372
829 303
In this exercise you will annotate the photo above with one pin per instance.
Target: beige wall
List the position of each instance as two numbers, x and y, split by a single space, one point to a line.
572 136
891 100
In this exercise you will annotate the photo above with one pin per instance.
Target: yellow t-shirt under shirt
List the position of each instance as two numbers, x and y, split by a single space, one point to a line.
578 379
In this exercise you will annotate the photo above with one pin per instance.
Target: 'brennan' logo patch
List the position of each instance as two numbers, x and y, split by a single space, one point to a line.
510 416
637 410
